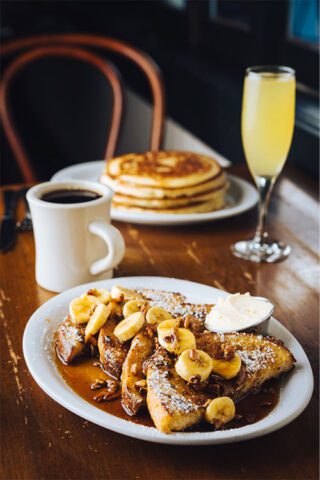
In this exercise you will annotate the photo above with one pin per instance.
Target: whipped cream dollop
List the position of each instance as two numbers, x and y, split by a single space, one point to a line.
238 312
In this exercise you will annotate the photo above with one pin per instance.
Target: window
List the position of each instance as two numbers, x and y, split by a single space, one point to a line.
239 33
304 21
178 4
238 13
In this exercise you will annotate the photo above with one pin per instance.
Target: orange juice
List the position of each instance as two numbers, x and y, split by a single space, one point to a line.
268 112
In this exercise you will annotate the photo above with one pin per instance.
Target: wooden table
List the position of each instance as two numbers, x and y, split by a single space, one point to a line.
42 440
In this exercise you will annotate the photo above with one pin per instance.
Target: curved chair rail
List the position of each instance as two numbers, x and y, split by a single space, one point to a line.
146 64
25 59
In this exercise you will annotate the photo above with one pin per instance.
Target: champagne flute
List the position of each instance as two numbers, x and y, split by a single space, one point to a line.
268 110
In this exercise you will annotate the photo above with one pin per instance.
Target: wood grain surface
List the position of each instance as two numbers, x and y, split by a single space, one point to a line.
42 440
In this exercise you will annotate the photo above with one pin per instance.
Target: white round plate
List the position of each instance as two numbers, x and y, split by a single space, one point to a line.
296 388
241 197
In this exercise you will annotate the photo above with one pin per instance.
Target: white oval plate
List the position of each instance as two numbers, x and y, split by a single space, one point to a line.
241 197
296 388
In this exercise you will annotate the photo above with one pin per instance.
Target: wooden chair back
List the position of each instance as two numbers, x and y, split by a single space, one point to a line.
25 59
73 42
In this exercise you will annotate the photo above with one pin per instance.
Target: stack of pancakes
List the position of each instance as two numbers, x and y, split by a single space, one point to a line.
166 182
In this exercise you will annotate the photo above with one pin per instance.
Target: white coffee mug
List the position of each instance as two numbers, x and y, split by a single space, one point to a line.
75 242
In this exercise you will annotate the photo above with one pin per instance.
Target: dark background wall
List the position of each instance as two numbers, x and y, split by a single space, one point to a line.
61 109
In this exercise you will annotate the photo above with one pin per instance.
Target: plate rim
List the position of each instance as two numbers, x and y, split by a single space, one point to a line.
93 414
181 218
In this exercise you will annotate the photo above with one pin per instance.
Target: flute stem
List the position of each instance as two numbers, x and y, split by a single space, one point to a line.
265 186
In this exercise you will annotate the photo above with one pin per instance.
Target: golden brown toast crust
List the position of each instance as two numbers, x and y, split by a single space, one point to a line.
132 372
263 358
177 306
172 404
70 342
112 352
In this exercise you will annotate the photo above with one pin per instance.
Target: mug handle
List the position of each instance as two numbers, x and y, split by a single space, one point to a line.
115 243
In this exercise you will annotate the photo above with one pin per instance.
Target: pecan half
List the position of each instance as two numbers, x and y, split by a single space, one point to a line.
149 331
145 307
195 379
228 351
98 383
94 292
187 321
111 392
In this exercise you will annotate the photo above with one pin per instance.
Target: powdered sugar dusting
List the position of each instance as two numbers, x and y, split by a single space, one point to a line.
169 396
258 358
174 303
72 334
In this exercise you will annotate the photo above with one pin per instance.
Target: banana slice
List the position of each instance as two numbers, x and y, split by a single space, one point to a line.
124 294
97 320
194 365
157 315
103 295
175 339
131 307
168 325
165 329
129 327
220 411
81 308
227 368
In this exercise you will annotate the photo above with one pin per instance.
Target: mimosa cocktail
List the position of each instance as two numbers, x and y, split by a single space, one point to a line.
268 109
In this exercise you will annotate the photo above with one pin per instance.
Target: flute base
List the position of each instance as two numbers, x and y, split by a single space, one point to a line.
261 250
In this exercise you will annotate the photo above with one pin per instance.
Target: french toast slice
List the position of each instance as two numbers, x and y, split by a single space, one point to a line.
132 372
111 351
262 358
157 297
176 305
172 404
70 343
148 371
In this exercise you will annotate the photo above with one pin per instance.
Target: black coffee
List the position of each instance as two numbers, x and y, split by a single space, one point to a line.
70 196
